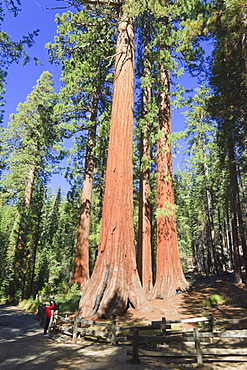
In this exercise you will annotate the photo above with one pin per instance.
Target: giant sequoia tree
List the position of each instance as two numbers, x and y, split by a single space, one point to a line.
84 51
169 273
115 284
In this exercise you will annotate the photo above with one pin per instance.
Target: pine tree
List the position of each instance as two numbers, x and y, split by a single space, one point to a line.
228 104
32 140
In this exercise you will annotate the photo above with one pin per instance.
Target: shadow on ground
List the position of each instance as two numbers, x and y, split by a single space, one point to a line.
22 346
234 295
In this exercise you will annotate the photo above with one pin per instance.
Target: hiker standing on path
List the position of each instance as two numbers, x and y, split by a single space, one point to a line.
49 307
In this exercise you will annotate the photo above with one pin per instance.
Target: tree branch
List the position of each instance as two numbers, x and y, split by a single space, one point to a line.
106 2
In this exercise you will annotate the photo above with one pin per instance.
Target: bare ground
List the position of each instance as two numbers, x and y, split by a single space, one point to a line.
22 345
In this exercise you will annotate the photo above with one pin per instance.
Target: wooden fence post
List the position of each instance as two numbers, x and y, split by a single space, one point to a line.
41 315
212 322
163 326
135 347
114 333
75 328
198 347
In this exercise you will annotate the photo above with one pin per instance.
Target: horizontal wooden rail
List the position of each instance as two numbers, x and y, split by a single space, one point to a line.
201 348
185 321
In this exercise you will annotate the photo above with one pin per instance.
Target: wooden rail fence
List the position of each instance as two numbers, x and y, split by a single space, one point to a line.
197 341
181 341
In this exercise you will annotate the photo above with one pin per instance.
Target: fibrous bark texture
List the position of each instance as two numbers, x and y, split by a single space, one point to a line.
114 284
81 262
144 247
144 252
169 273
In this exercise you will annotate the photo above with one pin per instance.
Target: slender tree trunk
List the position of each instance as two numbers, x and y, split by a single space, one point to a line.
81 262
169 273
244 42
20 262
221 241
209 209
29 188
233 206
229 237
35 242
115 284
241 227
144 248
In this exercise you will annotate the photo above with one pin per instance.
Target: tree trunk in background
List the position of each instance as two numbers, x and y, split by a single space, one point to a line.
215 268
233 206
222 260
238 207
20 260
228 237
241 227
36 234
144 252
29 188
81 262
115 284
144 248
169 273
244 41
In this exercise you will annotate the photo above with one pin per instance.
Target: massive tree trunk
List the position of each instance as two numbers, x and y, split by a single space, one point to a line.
81 262
144 248
169 273
115 284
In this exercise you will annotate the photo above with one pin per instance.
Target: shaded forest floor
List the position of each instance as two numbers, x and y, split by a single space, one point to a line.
22 345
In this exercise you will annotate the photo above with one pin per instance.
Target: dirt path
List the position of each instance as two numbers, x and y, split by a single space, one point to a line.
22 346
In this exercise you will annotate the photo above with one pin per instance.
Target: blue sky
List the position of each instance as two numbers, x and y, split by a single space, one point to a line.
21 79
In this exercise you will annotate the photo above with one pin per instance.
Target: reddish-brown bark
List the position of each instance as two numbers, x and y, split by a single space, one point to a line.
115 284
169 273
211 229
144 253
144 247
21 247
81 262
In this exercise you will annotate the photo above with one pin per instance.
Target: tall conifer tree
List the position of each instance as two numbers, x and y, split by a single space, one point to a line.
32 139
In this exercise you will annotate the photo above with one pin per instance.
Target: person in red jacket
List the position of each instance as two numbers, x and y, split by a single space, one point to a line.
49 307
